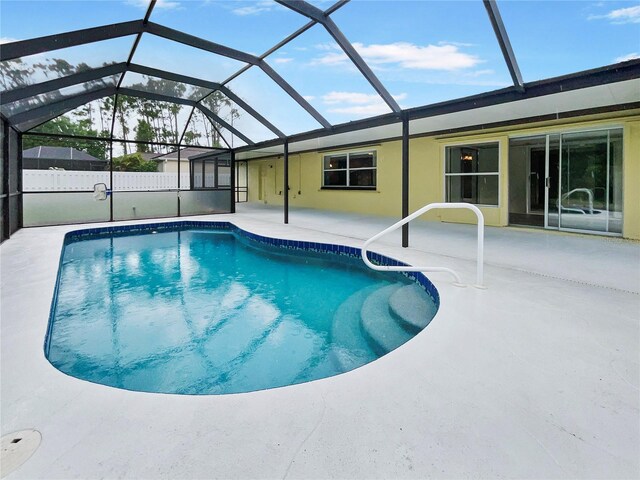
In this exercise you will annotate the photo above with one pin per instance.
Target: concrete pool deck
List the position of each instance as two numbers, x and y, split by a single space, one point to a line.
535 377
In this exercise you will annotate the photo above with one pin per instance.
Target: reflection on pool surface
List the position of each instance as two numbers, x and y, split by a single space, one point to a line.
211 311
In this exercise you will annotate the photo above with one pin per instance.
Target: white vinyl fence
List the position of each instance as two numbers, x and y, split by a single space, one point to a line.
74 180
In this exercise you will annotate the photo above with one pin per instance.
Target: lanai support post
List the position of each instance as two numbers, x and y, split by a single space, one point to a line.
6 186
113 124
232 180
405 178
286 181
110 189
179 162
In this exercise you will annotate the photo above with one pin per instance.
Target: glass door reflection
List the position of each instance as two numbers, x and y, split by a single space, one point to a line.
590 181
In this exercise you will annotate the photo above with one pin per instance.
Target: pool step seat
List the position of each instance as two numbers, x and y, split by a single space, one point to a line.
412 308
380 328
351 350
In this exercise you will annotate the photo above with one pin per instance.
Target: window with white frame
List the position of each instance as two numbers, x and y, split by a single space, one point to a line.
355 170
472 173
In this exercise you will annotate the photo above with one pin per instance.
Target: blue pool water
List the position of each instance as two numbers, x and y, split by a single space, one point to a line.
210 311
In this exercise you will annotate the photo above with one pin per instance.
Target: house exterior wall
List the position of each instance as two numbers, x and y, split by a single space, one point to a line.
631 179
171 166
427 179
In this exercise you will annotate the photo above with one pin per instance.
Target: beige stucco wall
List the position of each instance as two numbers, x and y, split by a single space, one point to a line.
171 166
631 180
426 159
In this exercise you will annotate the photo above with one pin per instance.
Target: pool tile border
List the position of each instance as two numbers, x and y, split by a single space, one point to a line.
317 247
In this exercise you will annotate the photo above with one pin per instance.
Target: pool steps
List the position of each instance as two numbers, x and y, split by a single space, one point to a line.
380 328
411 309
346 332
375 320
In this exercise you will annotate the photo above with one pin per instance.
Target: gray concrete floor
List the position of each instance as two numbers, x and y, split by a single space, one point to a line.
535 377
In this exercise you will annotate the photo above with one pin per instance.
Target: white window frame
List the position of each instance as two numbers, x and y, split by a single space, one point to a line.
476 174
348 170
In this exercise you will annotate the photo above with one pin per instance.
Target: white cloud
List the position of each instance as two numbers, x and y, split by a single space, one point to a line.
144 4
625 58
479 73
283 60
332 58
327 46
256 9
621 15
444 56
167 4
362 111
308 98
7 40
407 55
354 103
457 44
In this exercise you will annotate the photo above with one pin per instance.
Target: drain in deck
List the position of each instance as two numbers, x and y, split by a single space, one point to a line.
17 447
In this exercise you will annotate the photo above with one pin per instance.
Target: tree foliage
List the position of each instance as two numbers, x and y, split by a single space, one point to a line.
135 118
144 133
133 162
66 126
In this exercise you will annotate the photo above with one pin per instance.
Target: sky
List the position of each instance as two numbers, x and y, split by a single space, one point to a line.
423 51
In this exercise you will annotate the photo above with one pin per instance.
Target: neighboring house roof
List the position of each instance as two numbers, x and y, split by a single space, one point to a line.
148 155
185 154
59 153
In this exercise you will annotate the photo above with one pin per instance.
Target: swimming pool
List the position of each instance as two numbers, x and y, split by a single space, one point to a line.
207 308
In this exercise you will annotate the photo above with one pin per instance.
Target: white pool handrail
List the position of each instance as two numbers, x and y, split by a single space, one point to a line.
417 213
574 209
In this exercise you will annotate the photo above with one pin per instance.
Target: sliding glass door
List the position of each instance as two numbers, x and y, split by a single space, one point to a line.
552 181
590 183
582 181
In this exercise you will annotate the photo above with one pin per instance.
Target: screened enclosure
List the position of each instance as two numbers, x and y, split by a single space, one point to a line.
116 111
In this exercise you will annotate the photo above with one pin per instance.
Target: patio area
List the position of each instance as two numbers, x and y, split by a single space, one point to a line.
537 376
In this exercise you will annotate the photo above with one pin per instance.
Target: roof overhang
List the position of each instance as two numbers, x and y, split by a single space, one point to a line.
210 154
